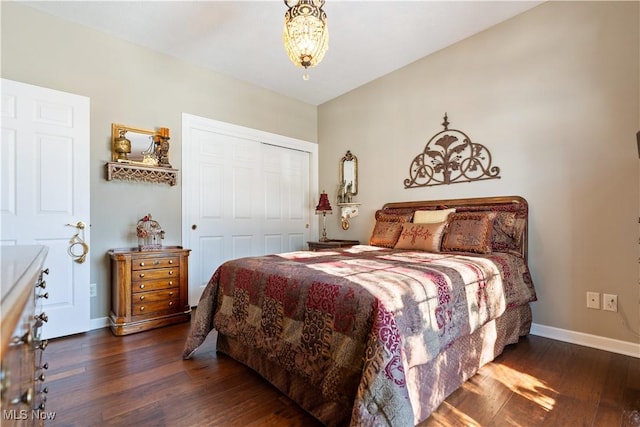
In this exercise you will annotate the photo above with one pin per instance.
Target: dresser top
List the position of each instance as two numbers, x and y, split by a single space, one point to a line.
20 269
147 251
18 263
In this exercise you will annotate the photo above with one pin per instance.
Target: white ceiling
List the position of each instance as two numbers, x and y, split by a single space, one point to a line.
243 39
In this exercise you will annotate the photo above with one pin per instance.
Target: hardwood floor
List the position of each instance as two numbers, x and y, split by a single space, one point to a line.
99 379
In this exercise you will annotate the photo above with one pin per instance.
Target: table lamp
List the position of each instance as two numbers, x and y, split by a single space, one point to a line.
323 208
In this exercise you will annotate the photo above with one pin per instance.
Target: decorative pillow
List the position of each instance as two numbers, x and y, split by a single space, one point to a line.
388 228
423 237
431 217
508 231
469 232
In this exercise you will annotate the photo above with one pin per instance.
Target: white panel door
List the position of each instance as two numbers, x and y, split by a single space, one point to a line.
285 181
241 197
44 184
225 201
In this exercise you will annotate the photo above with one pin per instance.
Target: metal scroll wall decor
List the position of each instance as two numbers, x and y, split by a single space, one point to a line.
450 157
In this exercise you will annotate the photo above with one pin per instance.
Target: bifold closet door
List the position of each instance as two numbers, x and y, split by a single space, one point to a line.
246 198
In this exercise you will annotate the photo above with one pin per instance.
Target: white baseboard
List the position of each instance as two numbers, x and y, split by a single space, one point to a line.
593 341
99 323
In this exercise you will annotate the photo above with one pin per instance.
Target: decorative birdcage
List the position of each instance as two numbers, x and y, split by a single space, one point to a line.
150 234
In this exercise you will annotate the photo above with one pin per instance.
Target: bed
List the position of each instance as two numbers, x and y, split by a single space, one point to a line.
379 334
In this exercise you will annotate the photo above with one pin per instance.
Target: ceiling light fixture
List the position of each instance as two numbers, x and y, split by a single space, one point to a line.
305 35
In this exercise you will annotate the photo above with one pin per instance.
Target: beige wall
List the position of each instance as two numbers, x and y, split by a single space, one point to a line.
134 86
554 95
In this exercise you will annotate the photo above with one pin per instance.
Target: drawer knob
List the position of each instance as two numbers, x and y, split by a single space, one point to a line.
156 262
5 381
42 284
142 308
45 295
42 345
170 303
170 294
141 274
142 286
142 264
26 398
141 297
171 273
170 282
42 316
27 338
170 261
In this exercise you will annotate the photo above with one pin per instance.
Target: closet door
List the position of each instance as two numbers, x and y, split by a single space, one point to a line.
241 197
285 189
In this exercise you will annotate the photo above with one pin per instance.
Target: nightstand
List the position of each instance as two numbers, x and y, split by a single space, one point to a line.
149 289
332 244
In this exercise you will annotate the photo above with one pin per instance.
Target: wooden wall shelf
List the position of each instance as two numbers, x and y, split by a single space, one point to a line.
127 172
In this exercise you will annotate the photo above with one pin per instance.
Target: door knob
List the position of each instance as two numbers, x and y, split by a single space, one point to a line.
194 226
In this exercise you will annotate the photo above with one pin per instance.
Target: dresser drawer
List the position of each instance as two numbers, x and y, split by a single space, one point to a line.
156 262
156 273
157 307
147 297
154 285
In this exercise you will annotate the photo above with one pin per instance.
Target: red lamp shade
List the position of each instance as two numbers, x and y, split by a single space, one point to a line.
323 204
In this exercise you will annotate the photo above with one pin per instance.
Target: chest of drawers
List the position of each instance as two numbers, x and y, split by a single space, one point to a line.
23 395
149 289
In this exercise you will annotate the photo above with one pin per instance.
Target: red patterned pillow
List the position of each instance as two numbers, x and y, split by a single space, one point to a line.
388 228
423 237
469 232
508 231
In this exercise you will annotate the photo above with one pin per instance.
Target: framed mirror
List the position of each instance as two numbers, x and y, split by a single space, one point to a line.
349 174
134 145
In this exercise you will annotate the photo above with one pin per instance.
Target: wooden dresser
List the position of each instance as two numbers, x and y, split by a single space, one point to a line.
332 244
23 395
149 289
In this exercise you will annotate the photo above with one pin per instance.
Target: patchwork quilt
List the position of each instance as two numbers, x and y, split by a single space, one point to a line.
352 322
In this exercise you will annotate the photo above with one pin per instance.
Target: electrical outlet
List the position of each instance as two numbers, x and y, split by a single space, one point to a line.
92 290
593 300
610 302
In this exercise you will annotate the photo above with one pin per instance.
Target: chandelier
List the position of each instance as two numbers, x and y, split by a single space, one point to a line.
305 35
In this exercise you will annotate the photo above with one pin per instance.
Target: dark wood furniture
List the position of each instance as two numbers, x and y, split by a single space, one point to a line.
149 289
22 375
332 244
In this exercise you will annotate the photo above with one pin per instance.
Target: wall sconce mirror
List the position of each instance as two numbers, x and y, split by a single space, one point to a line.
348 176
134 145
348 188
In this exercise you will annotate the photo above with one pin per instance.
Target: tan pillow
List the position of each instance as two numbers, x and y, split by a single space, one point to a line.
388 228
469 232
423 237
431 217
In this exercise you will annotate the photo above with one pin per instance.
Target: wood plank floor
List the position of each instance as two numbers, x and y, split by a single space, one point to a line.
97 379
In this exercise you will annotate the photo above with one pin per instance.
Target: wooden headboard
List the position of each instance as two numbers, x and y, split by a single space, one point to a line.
515 204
